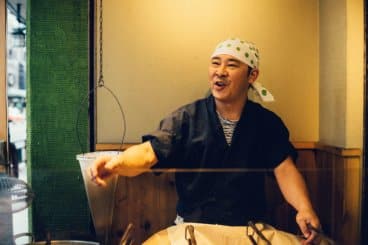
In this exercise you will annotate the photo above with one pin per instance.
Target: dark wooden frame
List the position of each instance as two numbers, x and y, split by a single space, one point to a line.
364 221
92 73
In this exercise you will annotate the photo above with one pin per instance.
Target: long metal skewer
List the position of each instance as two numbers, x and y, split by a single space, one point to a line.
219 170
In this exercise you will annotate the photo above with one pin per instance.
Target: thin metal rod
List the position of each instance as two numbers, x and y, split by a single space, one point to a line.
219 170
207 170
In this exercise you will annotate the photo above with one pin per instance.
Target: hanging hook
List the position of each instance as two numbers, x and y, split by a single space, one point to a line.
100 82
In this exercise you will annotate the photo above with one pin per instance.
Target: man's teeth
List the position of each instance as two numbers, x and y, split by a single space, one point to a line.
220 83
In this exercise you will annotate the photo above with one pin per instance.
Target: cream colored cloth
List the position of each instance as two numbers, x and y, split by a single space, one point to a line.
245 51
262 92
206 234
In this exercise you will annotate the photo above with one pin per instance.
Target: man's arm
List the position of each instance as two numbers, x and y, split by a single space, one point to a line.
294 189
133 161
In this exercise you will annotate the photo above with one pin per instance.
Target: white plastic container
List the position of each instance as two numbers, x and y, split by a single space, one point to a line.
100 199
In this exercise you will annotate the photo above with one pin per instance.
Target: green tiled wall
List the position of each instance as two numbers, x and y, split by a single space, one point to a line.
57 81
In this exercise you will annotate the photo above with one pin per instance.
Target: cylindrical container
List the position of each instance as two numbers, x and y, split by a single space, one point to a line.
66 242
59 242
101 199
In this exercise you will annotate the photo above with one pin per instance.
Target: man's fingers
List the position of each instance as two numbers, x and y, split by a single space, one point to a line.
310 238
96 179
316 229
98 172
112 163
303 227
309 231
100 182
98 164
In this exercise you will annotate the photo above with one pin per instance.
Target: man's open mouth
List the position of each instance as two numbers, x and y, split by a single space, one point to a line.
220 84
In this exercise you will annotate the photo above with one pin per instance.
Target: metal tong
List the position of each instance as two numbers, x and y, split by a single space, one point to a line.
321 234
189 235
127 238
258 232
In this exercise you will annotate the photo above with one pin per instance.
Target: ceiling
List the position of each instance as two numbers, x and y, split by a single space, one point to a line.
13 6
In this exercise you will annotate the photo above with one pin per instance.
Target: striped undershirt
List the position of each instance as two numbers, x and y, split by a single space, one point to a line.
228 127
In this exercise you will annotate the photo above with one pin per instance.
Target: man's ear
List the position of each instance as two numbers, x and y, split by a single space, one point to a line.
253 75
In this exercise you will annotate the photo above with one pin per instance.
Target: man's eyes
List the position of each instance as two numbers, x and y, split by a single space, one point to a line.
229 64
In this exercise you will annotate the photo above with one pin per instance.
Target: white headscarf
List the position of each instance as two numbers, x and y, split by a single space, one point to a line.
247 53
244 51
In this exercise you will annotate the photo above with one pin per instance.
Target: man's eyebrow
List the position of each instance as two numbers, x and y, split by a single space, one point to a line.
233 60
229 60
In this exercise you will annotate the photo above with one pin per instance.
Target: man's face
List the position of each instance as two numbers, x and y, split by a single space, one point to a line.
228 78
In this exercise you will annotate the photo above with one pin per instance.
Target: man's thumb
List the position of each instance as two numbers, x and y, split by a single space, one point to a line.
112 164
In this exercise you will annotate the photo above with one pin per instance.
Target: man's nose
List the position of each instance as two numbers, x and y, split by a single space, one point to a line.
221 71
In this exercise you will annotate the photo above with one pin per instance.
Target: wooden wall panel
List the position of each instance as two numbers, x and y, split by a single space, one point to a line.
339 192
147 201
351 208
323 205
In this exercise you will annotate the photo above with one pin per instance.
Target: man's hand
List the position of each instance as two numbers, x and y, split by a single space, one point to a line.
306 219
294 189
132 162
98 171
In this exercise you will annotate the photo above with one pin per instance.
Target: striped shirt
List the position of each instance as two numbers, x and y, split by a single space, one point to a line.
228 127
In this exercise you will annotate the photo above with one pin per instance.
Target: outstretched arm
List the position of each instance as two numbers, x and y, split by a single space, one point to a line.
133 161
294 189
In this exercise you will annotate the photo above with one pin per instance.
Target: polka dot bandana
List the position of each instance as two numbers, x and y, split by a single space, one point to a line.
242 50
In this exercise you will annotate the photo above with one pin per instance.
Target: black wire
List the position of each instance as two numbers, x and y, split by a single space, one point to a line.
81 107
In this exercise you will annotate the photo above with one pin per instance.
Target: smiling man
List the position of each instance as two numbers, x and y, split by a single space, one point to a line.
221 132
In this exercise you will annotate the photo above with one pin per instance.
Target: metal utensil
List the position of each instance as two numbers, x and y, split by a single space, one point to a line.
15 195
189 235
321 234
127 238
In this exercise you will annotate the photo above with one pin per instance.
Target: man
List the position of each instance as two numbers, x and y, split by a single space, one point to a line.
221 132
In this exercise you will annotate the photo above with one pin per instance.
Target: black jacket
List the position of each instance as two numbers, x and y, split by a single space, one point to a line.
192 137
